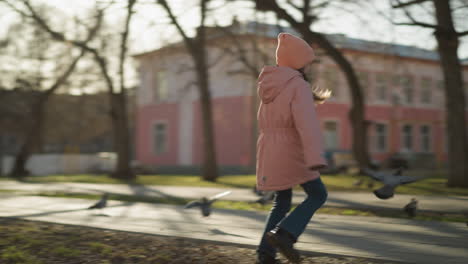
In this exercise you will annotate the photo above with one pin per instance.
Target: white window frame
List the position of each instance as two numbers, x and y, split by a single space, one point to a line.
154 149
421 139
161 82
382 85
402 137
407 84
375 137
337 122
334 85
424 89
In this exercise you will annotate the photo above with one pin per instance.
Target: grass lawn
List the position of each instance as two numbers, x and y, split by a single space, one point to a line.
434 184
29 242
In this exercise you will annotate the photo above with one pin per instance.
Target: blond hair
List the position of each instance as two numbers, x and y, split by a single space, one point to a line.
320 95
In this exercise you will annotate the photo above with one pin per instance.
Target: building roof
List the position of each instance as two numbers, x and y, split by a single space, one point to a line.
344 42
341 41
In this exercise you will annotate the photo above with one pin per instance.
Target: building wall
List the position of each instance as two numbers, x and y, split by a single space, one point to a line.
232 88
232 120
147 117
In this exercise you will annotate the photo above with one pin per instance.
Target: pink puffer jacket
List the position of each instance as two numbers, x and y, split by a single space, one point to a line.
290 140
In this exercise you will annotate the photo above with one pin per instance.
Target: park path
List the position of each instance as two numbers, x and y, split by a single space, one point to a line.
401 240
362 200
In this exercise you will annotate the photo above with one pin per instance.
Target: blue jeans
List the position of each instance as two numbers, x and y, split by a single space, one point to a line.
296 222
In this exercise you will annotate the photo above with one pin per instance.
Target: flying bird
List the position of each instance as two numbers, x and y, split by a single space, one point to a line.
266 198
390 181
205 203
101 203
411 208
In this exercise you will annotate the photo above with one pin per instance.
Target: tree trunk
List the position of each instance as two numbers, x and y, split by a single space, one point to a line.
357 111
2 147
448 43
121 137
32 138
210 169
38 116
119 110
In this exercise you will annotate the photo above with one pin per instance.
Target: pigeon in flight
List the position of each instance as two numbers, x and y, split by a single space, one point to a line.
390 181
266 198
101 203
411 207
205 203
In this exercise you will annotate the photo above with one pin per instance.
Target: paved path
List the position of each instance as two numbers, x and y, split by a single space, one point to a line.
382 238
453 204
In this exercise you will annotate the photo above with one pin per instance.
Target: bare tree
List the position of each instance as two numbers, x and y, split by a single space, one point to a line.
448 42
196 46
37 116
117 98
246 49
303 26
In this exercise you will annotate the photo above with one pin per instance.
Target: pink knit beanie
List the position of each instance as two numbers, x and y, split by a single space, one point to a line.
293 52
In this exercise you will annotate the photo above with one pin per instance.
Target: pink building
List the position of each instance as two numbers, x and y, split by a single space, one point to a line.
403 91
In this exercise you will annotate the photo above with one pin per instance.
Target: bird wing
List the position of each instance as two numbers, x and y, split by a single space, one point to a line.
374 174
192 204
219 195
94 206
407 179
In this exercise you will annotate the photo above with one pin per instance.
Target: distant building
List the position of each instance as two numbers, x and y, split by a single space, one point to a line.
402 85
74 124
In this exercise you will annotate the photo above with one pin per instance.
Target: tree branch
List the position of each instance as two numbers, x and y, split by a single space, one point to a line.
298 8
418 24
240 51
91 34
461 34
305 12
410 3
414 22
188 41
124 46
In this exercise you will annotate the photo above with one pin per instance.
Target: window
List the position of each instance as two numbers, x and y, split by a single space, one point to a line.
331 135
426 91
440 85
162 91
330 78
425 132
408 88
381 137
407 137
381 87
160 138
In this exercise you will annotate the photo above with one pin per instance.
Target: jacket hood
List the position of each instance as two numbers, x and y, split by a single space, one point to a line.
272 80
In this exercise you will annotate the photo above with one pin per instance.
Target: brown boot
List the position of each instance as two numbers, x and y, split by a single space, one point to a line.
284 243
